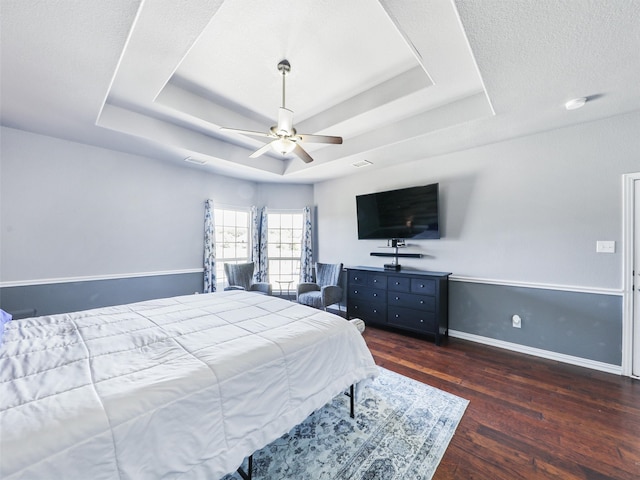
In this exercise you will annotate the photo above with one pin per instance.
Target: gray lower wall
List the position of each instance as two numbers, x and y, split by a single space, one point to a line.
585 325
49 299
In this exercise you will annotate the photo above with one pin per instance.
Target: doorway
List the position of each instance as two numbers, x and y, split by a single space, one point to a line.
631 272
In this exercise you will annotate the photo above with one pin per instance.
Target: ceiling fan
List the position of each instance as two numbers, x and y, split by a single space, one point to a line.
285 138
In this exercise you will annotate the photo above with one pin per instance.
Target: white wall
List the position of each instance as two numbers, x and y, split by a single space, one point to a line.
278 196
525 210
73 210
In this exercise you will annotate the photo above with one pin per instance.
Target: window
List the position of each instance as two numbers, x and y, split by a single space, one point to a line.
232 240
284 249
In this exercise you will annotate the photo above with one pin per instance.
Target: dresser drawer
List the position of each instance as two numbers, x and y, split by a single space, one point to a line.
377 281
364 294
399 284
372 280
357 278
417 302
423 285
368 311
416 320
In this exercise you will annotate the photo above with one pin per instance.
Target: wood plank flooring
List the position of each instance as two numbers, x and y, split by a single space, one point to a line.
528 418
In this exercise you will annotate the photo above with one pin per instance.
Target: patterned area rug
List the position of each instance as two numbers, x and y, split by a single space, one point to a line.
401 431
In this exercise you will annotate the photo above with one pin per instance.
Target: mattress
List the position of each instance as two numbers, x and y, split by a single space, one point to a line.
183 387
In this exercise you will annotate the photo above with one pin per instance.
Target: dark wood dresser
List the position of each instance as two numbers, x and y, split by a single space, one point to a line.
410 300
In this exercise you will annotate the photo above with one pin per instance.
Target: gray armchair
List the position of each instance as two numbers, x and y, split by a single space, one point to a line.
326 290
240 277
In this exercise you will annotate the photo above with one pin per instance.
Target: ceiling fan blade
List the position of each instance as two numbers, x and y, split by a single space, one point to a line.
319 138
285 121
301 152
247 132
265 148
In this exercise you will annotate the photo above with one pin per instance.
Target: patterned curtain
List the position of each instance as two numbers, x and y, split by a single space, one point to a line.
306 261
209 249
259 230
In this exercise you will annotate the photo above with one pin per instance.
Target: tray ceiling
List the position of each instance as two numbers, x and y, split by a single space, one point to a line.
397 80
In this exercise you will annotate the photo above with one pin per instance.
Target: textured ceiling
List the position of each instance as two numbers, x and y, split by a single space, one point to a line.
399 80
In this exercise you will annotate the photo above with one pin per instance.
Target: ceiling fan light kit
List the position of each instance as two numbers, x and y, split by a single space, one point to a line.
283 145
285 138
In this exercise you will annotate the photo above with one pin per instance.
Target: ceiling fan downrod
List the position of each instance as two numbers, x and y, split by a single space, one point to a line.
285 67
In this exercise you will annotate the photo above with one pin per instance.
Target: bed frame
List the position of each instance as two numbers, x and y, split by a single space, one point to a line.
248 475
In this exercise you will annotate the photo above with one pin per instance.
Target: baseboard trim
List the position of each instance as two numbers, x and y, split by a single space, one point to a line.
537 352
93 278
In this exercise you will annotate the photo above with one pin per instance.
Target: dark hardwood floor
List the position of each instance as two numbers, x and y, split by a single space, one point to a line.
528 418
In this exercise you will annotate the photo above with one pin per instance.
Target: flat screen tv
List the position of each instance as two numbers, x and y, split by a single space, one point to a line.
407 213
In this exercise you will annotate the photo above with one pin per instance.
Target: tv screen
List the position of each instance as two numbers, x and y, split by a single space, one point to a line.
407 213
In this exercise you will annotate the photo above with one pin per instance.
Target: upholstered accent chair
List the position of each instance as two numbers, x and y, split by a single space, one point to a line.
240 277
326 290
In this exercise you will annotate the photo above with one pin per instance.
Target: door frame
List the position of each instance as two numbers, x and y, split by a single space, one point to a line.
628 253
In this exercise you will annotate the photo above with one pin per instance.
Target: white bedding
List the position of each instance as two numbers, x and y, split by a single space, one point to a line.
183 387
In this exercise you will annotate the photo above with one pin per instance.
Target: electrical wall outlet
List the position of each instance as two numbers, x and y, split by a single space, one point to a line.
516 321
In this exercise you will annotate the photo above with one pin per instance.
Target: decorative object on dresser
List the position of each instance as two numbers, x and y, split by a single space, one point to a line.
415 301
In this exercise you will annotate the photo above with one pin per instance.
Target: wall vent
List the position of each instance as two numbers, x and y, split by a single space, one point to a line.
197 161
362 163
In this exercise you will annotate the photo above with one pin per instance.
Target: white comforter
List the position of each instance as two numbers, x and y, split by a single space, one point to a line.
183 387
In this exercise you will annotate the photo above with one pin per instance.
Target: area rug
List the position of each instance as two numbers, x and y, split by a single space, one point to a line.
401 431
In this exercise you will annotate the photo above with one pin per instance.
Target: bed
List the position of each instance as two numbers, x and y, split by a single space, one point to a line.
183 387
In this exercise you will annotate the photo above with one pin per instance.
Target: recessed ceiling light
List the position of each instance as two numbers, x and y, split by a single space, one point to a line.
575 103
362 163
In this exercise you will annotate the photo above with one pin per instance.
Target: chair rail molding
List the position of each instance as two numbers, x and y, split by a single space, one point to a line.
92 278
541 286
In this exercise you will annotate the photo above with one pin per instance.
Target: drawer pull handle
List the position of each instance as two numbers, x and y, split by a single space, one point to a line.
421 321
375 311
421 301
355 291
421 285
397 298
397 283
375 294
375 281
397 316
